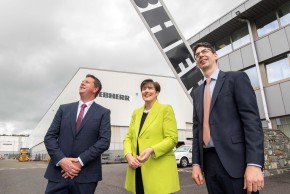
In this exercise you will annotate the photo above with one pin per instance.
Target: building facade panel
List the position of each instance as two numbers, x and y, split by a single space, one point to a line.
225 18
287 31
263 49
285 89
274 101
224 63
236 60
247 56
278 43
204 32
214 26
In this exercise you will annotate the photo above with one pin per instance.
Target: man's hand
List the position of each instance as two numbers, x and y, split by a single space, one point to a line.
253 179
144 156
70 167
132 161
197 175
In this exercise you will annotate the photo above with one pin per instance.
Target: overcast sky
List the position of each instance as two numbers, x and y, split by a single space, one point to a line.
44 42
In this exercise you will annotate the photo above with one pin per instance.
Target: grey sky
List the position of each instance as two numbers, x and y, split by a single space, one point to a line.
44 42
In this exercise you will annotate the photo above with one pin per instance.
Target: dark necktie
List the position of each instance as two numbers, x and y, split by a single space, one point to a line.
206 108
80 117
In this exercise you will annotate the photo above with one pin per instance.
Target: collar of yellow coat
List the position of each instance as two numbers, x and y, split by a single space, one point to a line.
149 119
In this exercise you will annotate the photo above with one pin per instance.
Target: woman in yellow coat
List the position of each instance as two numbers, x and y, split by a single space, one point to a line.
148 146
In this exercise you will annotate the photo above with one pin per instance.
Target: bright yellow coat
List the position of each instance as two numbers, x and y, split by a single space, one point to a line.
159 131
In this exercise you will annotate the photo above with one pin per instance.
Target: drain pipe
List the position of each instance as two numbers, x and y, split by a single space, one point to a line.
258 73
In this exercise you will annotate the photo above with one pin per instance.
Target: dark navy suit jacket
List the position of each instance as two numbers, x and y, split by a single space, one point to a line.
92 139
235 125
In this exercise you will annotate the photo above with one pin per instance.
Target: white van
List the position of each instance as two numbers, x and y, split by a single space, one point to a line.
183 155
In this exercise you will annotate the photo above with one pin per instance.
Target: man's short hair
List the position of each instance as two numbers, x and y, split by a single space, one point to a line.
97 83
203 44
155 84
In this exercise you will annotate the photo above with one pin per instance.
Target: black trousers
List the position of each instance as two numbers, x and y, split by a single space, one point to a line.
139 181
69 186
218 181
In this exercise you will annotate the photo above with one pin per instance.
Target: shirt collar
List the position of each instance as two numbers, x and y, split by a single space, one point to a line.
87 103
213 76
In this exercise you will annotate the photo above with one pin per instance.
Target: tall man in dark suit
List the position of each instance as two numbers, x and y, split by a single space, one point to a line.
227 132
79 134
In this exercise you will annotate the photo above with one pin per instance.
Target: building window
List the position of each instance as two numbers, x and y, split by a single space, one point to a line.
278 70
284 14
237 39
240 37
283 124
252 73
223 46
267 24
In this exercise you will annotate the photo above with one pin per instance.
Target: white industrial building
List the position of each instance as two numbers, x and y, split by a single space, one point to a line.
11 144
121 94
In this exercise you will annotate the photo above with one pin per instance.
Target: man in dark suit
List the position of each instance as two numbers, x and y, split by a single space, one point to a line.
79 134
228 149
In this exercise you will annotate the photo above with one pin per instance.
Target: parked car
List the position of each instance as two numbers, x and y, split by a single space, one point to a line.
181 143
183 155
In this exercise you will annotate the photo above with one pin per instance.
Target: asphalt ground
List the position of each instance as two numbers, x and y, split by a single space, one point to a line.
27 177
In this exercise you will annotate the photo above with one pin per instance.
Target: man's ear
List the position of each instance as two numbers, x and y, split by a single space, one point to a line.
216 56
96 89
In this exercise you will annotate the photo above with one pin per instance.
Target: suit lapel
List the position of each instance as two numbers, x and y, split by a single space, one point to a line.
138 121
73 117
219 82
200 96
199 111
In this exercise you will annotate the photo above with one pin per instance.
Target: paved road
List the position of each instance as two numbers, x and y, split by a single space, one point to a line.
27 177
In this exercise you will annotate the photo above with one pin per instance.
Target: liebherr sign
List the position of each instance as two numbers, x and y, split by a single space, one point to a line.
170 41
